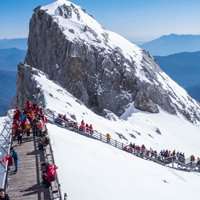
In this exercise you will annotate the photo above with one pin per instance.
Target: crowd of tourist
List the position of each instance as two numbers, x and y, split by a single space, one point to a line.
163 157
83 127
30 120
28 123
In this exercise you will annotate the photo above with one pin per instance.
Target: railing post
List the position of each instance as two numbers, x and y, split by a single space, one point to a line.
53 117
173 160
116 143
100 137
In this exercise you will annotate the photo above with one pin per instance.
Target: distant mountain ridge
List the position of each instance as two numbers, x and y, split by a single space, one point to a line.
9 58
19 43
11 53
173 43
7 89
183 68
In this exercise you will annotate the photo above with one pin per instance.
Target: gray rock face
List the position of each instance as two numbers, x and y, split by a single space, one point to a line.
27 88
96 76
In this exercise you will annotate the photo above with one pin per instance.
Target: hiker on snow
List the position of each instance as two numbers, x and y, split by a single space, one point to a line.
108 137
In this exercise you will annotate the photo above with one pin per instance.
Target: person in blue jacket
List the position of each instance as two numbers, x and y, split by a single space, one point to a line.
15 158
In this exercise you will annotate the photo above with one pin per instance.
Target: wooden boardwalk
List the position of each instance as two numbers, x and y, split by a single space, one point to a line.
26 183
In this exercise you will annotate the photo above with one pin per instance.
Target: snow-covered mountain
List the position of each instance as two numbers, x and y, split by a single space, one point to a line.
76 67
99 67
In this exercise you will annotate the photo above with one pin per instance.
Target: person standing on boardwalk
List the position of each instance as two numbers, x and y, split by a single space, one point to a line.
3 195
15 158
19 136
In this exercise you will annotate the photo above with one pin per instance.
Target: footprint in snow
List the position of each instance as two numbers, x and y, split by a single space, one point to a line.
165 181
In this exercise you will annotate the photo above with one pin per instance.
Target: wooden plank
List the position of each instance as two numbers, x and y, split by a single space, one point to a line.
27 183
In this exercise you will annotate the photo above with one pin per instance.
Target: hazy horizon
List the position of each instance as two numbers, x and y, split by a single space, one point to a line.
136 20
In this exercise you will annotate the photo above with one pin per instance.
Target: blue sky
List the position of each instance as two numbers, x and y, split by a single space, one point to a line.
138 20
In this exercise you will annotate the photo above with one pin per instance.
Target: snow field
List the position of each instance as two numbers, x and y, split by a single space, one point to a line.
89 169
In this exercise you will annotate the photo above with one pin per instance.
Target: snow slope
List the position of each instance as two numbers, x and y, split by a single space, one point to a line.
89 169
136 126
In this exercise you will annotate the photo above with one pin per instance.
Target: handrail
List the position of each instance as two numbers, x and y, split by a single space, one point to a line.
52 160
120 145
49 157
8 141
57 180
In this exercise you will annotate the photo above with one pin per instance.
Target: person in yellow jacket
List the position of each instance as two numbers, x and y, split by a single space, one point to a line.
27 127
108 137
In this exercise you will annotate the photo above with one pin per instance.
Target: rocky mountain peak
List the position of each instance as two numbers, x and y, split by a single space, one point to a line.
100 67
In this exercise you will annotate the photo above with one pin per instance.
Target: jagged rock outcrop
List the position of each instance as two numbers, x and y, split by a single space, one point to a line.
99 67
27 87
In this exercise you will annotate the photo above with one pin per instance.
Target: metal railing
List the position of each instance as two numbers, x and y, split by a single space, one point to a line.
5 142
5 146
172 161
6 136
55 189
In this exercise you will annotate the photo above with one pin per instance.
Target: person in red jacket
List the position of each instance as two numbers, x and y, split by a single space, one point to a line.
40 111
16 114
44 119
35 108
28 106
49 174
15 127
82 123
9 161
82 126
40 127
87 128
